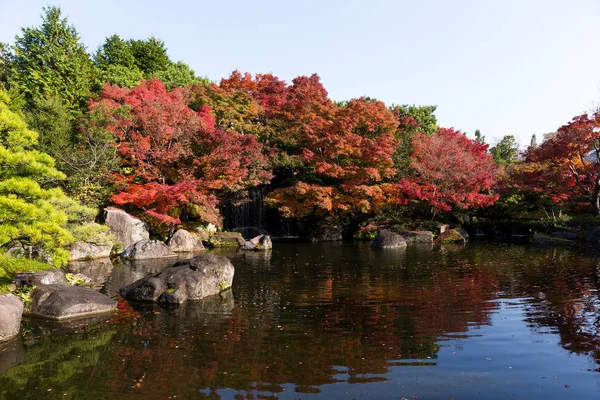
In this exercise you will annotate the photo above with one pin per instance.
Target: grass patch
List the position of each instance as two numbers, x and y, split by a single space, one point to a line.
10 266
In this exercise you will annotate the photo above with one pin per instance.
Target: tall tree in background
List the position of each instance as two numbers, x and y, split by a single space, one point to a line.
126 63
51 61
506 151
479 137
411 119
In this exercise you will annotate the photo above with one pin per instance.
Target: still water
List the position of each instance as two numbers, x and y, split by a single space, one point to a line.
336 321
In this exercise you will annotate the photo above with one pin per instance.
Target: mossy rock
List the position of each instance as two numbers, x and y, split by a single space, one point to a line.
451 236
226 239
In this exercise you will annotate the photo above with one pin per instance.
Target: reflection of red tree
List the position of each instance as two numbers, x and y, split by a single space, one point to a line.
362 327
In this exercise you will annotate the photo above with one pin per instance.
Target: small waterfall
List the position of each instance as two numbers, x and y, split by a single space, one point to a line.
245 212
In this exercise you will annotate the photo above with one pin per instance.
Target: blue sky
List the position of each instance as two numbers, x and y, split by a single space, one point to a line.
505 67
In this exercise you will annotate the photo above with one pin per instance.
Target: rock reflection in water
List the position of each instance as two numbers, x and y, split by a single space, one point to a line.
97 270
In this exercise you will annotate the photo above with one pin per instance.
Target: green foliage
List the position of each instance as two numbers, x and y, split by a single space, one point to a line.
52 119
9 266
424 115
412 119
5 60
25 294
506 151
73 280
31 212
177 75
479 137
150 55
127 63
50 61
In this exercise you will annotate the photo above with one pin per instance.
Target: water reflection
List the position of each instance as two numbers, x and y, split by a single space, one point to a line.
342 321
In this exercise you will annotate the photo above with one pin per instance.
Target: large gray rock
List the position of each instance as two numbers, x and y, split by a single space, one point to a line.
387 239
417 236
89 251
183 241
48 277
127 229
192 279
60 301
261 242
11 311
146 249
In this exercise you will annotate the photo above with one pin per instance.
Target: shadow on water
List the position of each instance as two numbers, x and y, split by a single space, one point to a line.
337 321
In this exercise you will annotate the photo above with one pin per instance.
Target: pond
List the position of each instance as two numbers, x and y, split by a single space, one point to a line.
483 321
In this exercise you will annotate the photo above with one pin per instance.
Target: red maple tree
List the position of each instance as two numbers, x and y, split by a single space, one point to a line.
450 170
174 160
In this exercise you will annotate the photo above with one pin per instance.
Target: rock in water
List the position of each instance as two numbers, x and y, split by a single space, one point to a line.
192 279
146 249
127 229
417 236
48 277
88 250
60 301
11 311
261 242
452 236
387 239
184 241
226 239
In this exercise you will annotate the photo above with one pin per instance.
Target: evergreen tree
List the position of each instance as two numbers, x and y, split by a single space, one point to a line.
32 212
50 61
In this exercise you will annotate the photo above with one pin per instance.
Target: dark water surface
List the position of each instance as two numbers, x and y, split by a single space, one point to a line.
336 321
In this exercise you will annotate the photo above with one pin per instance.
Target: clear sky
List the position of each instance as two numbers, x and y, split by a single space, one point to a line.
502 66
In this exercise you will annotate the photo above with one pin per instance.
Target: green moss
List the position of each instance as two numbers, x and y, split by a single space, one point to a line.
10 266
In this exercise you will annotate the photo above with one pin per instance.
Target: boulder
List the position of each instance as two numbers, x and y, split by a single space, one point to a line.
11 311
226 239
261 242
49 277
127 229
61 301
184 242
89 251
452 236
192 279
145 249
547 240
388 239
417 236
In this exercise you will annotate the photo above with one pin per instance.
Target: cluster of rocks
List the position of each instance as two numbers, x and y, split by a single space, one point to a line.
54 295
386 239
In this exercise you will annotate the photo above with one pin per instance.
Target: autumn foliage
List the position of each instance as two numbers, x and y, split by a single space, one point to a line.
183 150
565 166
450 170
175 160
